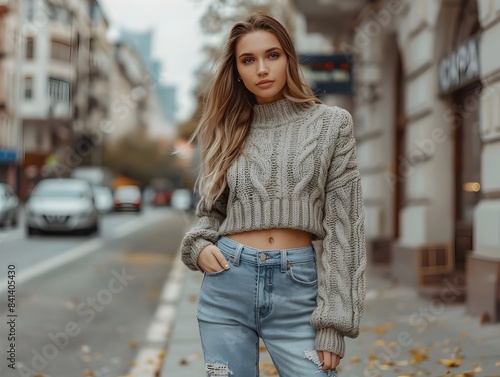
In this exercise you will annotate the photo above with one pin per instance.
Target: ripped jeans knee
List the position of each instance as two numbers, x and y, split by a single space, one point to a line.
218 369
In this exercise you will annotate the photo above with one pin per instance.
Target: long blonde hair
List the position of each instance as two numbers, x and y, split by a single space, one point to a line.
228 108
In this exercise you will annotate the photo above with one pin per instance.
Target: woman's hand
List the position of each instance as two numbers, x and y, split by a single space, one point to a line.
329 360
211 259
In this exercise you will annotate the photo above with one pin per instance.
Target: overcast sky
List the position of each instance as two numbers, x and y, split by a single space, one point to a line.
178 38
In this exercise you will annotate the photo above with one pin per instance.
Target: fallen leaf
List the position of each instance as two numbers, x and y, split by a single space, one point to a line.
183 362
133 343
380 342
193 299
355 359
262 348
450 363
497 364
403 363
381 330
463 334
386 365
88 372
469 373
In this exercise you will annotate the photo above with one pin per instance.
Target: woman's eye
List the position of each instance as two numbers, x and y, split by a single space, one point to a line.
274 55
247 60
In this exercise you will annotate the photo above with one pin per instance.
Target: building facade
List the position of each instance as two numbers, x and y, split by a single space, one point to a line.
65 90
9 137
427 79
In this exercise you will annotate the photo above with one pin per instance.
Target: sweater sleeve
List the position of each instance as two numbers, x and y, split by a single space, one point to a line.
205 232
342 285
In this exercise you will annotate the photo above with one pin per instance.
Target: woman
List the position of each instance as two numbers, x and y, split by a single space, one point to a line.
278 172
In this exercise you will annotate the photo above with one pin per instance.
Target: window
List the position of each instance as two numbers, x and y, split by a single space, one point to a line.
58 91
59 13
61 51
28 87
30 47
30 10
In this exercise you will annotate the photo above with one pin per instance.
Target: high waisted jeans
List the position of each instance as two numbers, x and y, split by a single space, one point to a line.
268 294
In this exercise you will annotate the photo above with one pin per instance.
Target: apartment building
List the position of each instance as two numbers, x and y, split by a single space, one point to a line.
427 84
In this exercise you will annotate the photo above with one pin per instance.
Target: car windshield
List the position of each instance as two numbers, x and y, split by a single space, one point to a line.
54 192
127 193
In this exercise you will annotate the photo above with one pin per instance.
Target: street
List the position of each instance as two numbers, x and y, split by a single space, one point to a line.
83 305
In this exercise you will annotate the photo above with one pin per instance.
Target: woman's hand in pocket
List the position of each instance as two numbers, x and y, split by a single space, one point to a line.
211 259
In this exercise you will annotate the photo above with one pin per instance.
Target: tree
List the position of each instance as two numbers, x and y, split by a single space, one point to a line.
140 157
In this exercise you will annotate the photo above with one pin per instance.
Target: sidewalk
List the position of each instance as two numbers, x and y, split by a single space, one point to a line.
401 335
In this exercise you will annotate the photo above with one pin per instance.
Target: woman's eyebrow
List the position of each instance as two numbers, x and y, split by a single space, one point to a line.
268 50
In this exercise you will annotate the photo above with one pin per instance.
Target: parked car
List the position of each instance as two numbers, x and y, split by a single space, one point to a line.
63 205
104 200
9 206
162 197
128 198
182 199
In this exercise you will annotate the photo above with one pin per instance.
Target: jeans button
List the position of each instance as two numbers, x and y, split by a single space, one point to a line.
262 257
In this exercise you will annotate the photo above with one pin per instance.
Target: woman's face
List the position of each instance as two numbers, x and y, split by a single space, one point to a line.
261 64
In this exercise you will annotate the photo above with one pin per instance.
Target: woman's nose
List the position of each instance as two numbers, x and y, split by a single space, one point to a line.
262 69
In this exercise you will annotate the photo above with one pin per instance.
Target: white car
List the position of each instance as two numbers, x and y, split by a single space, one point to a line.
181 199
61 205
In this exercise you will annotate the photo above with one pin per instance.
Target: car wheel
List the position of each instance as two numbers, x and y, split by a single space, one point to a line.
14 220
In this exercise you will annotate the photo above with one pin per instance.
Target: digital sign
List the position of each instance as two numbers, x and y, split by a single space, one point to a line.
328 74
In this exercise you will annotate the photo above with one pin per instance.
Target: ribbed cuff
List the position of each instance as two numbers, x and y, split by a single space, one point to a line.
329 339
196 249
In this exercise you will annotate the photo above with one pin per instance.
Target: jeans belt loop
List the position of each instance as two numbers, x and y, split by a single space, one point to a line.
237 255
284 262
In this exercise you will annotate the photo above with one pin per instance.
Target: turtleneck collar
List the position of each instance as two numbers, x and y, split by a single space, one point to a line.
276 113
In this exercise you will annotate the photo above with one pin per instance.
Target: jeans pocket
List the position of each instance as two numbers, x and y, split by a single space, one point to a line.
223 270
215 273
305 273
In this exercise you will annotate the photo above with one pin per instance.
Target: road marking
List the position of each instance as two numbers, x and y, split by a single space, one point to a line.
150 358
76 253
134 225
55 262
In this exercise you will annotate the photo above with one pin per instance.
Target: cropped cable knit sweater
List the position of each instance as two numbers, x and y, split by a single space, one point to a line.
298 170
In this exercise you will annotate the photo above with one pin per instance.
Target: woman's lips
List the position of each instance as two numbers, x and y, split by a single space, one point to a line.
265 84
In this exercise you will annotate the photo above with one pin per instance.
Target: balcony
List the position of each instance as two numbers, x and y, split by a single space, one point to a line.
330 16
